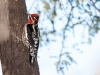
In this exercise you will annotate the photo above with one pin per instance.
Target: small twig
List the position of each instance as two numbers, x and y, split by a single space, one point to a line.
63 6
31 7
95 6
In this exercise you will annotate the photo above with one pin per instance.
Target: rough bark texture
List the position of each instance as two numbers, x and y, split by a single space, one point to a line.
14 55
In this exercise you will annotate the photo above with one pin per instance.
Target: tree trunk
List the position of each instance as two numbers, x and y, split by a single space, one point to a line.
14 55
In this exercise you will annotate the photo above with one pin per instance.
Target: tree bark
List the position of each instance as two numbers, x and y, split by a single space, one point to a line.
14 55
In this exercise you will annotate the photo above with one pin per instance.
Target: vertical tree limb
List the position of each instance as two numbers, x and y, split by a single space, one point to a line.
14 55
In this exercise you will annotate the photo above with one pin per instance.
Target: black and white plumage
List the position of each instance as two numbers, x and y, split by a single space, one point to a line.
30 38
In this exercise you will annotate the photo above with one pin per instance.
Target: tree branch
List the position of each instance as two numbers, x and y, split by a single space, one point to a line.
95 6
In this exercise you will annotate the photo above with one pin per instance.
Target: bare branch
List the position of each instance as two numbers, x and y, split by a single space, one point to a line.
63 6
95 6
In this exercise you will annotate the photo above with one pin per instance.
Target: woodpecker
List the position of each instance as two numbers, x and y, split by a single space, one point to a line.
30 36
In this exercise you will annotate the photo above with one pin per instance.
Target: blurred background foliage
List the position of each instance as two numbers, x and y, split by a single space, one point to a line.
57 17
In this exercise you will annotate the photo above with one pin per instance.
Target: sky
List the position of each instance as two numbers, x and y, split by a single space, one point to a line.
87 61
87 58
0 68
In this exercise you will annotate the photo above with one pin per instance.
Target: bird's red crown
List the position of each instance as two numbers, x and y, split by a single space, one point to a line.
33 18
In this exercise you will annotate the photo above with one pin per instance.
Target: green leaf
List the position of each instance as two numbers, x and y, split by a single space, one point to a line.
53 14
77 1
55 1
46 6
83 0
